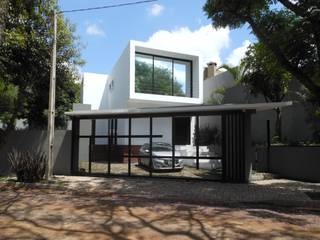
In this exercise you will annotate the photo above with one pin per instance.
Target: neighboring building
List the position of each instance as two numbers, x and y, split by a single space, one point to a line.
295 126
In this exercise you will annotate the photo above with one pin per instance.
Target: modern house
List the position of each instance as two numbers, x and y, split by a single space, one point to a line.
145 77
153 95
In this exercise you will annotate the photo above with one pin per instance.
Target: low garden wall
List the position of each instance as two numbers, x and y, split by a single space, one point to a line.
34 140
293 162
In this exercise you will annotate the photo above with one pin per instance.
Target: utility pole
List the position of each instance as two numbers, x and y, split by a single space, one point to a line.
52 97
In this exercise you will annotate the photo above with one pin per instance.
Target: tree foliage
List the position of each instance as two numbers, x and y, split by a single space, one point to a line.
237 72
291 32
25 53
162 83
267 77
264 74
8 98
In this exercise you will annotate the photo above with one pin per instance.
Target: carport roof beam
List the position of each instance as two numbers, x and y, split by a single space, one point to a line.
177 110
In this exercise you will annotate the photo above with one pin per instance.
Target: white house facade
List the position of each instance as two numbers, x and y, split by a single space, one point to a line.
146 77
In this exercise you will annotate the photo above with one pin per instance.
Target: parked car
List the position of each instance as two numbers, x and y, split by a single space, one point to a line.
159 152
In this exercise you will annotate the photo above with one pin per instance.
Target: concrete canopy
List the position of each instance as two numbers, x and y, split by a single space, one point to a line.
250 108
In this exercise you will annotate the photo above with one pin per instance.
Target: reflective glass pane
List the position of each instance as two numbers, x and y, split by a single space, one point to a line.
182 78
143 73
162 76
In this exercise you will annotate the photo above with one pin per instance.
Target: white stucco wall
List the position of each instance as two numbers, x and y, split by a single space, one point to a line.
117 90
93 85
150 100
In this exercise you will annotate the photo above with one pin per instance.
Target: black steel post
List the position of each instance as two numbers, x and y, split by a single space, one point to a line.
110 141
91 142
90 154
150 149
268 145
173 142
223 146
129 147
197 141
115 131
75 146
93 130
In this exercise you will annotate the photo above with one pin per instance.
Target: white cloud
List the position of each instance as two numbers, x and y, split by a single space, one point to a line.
156 9
95 30
238 53
205 41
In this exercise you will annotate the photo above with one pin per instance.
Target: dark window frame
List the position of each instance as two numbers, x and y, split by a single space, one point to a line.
172 59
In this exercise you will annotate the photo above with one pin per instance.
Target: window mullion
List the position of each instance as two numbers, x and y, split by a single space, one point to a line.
152 84
172 77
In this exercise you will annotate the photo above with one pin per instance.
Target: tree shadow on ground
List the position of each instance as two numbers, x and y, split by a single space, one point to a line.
44 214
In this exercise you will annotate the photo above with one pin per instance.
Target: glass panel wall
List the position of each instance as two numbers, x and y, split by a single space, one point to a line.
144 73
163 76
181 78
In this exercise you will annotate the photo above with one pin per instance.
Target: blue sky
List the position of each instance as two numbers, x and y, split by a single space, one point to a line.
171 24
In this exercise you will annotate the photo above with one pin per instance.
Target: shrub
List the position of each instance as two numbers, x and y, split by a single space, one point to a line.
207 136
28 166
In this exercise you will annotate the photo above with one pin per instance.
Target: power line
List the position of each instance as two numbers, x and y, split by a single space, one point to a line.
107 6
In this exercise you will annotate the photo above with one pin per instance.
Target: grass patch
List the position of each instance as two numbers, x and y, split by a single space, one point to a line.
7 179
4 178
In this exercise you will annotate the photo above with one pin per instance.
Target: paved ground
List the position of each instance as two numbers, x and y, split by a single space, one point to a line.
206 192
122 168
126 208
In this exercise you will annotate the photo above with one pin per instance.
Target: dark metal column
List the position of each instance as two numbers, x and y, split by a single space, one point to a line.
129 147
92 142
150 149
110 140
223 145
236 146
173 142
115 131
268 145
75 146
197 141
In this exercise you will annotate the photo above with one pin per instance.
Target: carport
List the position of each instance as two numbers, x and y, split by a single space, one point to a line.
236 150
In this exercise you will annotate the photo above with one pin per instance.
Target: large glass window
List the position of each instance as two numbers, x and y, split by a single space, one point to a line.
162 75
182 75
144 73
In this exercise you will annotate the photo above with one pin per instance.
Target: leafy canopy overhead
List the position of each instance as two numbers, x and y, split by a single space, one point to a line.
25 60
289 29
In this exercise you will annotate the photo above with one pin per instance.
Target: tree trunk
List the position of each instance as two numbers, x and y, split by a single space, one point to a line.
278 127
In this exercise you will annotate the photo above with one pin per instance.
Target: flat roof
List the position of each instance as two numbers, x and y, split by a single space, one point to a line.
178 110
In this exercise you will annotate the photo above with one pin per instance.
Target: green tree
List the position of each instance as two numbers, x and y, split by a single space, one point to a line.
25 50
8 97
162 80
237 72
267 77
291 32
